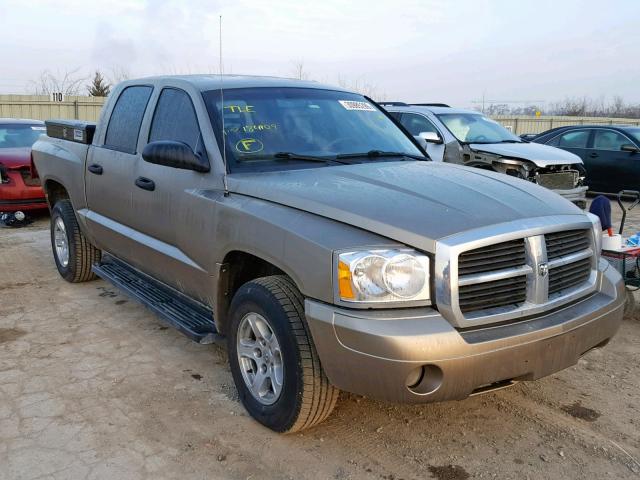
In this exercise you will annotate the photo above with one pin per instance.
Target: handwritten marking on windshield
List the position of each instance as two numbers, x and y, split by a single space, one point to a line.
249 145
240 108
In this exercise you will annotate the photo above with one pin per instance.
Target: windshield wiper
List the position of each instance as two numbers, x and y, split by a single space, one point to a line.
308 158
492 143
289 156
381 153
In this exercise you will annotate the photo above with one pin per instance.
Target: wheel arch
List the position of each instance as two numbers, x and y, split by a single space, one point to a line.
237 268
55 191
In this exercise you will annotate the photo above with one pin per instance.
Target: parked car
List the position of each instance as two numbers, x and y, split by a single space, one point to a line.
469 138
19 190
611 154
301 223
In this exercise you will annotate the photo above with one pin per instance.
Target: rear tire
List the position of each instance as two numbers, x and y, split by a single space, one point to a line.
72 252
300 396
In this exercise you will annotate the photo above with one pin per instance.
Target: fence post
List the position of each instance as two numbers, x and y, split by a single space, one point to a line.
75 109
550 123
515 126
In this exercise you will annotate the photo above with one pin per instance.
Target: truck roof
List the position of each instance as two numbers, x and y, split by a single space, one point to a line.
205 82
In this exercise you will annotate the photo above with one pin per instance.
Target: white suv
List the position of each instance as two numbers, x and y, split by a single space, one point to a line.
469 138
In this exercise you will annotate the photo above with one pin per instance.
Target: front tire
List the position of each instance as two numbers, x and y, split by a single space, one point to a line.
72 252
273 360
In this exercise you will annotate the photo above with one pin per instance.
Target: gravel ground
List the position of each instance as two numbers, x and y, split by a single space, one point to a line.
93 385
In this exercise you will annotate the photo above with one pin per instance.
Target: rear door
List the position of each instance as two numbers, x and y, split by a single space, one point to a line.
109 169
416 124
167 200
611 168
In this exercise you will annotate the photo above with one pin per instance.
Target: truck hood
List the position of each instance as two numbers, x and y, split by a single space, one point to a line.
15 157
415 203
541 155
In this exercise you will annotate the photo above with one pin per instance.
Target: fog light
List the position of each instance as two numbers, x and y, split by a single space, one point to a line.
414 377
424 380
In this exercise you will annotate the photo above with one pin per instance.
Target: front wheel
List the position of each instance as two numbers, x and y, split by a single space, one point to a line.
72 252
273 360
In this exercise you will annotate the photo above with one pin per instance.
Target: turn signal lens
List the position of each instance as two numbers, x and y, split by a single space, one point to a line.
344 281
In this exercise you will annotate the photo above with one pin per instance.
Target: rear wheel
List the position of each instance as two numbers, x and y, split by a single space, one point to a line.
273 360
72 252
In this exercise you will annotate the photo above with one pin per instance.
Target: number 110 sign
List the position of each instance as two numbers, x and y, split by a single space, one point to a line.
57 97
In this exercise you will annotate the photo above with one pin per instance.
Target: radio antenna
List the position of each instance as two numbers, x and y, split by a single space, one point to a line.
224 140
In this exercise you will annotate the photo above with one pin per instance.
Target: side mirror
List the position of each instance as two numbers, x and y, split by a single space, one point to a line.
175 155
629 147
430 137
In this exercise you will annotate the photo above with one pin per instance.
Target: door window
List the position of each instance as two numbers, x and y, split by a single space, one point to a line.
126 118
572 139
416 124
609 140
175 119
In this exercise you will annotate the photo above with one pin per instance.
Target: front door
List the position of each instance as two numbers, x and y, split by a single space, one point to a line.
610 168
169 209
417 124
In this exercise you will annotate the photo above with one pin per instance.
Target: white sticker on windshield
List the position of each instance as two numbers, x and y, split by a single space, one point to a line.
77 134
353 105
38 128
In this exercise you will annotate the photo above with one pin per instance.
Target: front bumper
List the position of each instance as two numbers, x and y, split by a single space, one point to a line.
16 195
373 353
576 195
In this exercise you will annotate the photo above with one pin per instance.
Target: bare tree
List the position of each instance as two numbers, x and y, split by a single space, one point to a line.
119 74
67 83
298 70
363 87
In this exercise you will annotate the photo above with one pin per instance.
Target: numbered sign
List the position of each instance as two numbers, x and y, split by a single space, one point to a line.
57 97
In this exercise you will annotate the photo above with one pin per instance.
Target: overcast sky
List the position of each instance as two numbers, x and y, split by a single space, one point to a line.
412 50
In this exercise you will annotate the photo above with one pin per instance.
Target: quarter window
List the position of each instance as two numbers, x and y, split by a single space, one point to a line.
609 140
175 119
416 124
573 139
126 118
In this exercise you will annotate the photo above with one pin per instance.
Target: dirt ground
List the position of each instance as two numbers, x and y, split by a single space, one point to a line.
93 385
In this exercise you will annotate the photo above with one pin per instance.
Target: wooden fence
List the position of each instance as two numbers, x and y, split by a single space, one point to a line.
42 107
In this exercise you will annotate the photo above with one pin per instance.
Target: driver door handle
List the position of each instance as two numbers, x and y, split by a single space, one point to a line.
593 155
95 168
145 184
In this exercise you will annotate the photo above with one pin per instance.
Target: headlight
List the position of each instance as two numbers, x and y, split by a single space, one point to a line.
382 276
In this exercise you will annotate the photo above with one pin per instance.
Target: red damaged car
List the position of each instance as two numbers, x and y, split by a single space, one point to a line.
19 190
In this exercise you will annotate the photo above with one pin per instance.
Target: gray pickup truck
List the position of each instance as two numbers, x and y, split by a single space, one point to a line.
301 224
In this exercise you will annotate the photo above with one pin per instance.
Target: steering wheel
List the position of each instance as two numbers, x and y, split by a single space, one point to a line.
332 144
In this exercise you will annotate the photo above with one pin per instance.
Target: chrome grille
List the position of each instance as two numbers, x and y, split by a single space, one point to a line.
537 266
492 257
559 180
560 244
498 293
569 276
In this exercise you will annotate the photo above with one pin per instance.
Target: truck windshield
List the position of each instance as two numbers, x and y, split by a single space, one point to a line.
20 136
275 128
476 128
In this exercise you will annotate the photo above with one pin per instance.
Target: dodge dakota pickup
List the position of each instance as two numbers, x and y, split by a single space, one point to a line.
302 226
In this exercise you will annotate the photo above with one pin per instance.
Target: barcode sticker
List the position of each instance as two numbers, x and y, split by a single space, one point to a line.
77 134
353 105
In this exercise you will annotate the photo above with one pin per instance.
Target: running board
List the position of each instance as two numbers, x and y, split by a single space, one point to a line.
189 317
